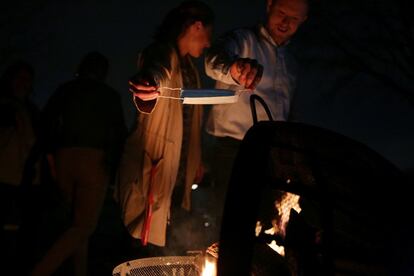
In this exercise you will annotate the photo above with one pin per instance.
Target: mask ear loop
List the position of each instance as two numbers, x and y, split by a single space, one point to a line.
170 97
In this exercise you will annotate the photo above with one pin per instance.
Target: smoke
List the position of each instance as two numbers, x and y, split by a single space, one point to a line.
194 230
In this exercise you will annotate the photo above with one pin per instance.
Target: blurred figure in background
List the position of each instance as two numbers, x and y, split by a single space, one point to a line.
18 121
83 130
18 134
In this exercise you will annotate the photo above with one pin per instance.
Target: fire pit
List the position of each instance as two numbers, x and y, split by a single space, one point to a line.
333 198
159 266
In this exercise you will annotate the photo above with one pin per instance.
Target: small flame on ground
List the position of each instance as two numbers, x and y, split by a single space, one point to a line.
209 269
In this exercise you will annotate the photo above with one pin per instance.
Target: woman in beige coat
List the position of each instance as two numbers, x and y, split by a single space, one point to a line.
163 151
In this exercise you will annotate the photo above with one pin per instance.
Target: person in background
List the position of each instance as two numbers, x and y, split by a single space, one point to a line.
162 156
18 121
83 131
19 172
254 59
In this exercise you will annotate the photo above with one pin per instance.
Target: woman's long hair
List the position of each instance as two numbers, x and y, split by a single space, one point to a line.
179 18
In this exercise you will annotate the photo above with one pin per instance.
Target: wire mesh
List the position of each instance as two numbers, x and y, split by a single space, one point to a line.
159 266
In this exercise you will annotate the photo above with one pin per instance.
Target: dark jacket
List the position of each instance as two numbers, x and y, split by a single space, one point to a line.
84 113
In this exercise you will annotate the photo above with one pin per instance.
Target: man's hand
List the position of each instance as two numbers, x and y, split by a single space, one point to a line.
246 72
143 90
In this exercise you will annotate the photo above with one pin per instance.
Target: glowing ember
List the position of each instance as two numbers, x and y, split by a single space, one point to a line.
209 269
277 248
258 228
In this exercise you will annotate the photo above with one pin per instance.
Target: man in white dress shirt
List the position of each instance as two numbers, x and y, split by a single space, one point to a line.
251 61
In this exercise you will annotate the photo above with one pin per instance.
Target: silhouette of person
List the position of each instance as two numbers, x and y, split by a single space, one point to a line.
83 130
18 134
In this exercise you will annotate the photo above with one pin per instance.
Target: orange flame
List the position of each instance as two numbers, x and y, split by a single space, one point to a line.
288 201
209 269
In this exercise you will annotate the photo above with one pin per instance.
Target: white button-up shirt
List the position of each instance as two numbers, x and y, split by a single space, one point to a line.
275 87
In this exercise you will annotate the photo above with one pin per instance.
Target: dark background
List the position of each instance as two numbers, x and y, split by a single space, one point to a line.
356 57
356 65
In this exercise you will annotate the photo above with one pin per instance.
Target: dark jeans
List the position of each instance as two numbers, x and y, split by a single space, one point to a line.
224 153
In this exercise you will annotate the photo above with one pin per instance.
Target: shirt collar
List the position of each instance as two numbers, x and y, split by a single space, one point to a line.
263 31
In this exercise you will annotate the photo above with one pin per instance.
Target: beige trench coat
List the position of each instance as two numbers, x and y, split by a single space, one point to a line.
156 143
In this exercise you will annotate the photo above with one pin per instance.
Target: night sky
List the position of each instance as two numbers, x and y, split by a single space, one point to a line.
356 59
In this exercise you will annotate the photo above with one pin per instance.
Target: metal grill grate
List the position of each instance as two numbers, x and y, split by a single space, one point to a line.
159 266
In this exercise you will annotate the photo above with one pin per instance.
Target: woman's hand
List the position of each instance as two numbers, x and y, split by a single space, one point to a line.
143 90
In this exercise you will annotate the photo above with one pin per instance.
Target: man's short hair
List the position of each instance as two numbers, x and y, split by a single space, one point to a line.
93 64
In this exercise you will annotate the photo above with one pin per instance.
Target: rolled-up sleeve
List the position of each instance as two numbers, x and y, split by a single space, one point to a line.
224 52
